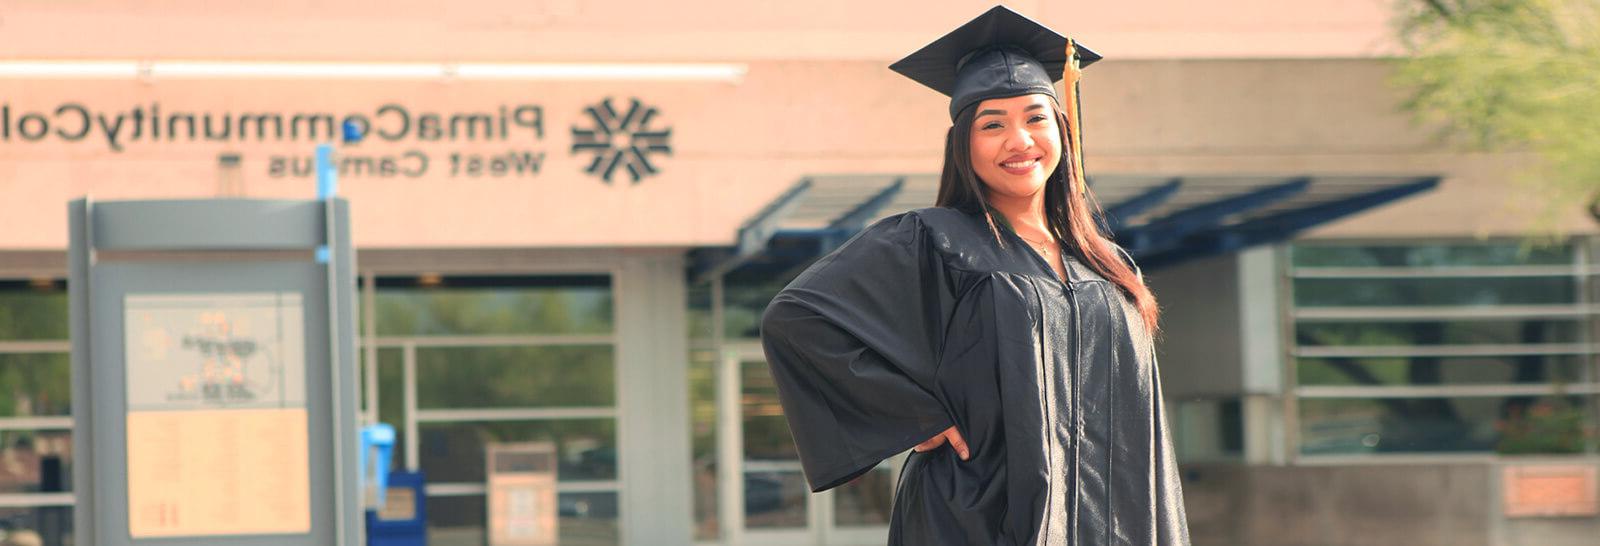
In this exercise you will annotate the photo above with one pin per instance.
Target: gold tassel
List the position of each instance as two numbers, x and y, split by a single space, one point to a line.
1070 76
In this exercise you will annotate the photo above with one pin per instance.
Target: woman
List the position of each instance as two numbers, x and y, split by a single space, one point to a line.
999 333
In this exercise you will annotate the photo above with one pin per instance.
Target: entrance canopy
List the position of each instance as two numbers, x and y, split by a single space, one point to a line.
1160 220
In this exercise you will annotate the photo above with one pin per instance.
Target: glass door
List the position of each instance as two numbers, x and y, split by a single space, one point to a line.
771 503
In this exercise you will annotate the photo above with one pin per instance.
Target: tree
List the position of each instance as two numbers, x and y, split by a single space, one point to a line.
1512 75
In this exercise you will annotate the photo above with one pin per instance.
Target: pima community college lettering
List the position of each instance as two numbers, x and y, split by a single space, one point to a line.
511 123
617 141
75 122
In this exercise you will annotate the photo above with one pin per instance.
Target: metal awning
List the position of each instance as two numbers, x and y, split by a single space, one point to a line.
1161 220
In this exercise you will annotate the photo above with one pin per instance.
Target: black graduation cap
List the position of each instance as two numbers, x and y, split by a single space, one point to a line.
1000 54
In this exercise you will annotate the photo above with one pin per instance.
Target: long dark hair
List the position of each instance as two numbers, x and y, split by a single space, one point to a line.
1068 214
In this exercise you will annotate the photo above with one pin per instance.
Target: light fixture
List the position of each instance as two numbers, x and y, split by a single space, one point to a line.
430 280
216 69
69 69
270 70
602 71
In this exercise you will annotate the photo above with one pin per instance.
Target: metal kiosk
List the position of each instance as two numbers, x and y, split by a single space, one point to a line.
522 497
213 369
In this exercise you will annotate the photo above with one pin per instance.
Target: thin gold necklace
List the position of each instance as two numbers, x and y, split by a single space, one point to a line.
1044 247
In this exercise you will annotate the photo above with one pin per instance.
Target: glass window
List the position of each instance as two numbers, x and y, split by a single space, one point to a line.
866 500
703 440
497 377
454 452
1441 371
699 327
494 306
35 384
744 302
588 519
1496 332
1207 429
775 490
391 402
1507 424
583 519
462 373
775 499
457 521
51 525
1429 254
35 461
34 311
775 493
1321 292
1456 402
766 430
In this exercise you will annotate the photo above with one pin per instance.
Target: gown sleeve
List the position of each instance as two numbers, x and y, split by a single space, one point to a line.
853 344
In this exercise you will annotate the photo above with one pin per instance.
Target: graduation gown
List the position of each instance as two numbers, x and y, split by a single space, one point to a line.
924 321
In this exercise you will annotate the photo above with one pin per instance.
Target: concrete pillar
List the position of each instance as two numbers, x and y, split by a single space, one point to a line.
653 400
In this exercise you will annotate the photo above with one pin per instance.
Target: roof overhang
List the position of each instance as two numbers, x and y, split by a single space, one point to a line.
1160 220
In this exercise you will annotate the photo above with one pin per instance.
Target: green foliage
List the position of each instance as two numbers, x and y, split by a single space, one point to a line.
1512 75
1550 425
34 383
30 314
488 377
510 311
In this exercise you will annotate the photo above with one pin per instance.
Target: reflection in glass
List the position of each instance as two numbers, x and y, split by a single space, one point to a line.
775 499
1315 334
35 384
1207 429
454 452
1520 424
34 461
766 431
1440 371
33 313
490 377
1318 292
703 440
1429 255
52 525
585 519
865 501
698 327
588 519
495 305
457 521
391 401
744 301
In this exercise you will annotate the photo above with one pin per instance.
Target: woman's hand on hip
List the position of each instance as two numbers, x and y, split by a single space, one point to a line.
949 435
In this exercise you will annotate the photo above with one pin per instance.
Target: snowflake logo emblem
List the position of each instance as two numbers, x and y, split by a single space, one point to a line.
621 141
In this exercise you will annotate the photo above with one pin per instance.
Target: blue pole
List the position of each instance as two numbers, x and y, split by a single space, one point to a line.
328 172
327 185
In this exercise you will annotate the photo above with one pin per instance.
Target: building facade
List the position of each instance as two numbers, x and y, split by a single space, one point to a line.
551 203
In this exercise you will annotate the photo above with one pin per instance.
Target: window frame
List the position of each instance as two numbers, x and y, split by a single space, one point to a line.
1586 308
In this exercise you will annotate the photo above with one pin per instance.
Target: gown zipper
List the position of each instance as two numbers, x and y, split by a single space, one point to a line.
1076 425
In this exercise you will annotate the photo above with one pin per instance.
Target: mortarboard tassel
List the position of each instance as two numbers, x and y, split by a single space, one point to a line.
1070 75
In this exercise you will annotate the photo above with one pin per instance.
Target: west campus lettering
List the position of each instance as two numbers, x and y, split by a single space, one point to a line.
413 164
74 122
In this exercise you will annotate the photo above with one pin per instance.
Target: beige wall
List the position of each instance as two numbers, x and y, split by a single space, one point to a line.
1204 357
594 30
736 144
1294 117
1419 503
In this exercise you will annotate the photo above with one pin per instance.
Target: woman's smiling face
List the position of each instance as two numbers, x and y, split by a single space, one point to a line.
1016 144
